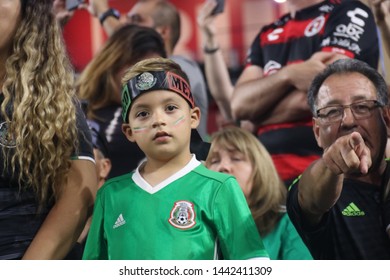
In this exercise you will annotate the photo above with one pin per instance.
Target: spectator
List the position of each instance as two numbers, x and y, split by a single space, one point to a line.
197 213
103 167
237 152
165 19
217 75
100 86
381 11
48 177
339 204
101 152
282 61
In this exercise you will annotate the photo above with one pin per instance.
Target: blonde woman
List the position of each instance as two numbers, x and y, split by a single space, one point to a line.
236 151
48 177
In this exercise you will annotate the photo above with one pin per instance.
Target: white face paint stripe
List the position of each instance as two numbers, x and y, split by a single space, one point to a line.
178 121
139 129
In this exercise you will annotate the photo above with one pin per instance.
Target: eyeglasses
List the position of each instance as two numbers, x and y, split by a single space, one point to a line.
360 110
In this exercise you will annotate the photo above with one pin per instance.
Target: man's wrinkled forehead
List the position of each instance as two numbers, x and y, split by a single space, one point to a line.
344 88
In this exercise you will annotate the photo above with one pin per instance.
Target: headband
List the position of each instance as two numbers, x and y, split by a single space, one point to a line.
154 80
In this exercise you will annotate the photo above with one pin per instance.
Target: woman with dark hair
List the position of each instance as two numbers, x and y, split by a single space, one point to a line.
47 173
100 86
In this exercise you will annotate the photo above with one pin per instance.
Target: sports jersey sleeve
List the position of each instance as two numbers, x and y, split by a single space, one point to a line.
237 232
255 55
96 245
351 30
85 149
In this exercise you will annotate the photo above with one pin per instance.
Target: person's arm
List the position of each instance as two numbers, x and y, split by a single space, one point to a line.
97 8
256 95
67 218
381 11
292 108
217 75
321 183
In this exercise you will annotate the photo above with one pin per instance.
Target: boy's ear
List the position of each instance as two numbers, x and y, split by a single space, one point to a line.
128 132
195 117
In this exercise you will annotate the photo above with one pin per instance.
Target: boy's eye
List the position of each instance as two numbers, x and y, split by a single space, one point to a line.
141 114
171 107
214 161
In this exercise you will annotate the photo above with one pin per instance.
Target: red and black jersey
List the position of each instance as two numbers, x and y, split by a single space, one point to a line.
346 27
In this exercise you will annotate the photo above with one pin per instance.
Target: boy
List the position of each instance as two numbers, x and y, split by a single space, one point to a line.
171 207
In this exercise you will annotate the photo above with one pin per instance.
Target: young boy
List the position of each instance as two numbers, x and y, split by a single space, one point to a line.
171 207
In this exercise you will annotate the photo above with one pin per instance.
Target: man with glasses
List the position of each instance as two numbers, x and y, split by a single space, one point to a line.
339 203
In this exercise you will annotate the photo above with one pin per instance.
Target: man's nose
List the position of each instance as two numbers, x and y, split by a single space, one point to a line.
348 117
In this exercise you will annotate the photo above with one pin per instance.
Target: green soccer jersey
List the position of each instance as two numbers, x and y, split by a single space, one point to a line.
284 243
194 214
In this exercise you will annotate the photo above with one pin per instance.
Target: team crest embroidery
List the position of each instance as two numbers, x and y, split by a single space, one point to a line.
145 81
6 140
315 26
182 215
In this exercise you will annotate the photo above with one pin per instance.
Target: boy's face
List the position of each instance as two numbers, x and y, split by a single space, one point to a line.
160 122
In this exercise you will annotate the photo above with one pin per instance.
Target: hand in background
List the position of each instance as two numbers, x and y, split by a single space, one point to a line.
61 13
206 23
380 9
97 7
302 74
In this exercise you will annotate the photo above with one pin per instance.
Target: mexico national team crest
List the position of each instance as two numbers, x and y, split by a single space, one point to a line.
182 215
145 81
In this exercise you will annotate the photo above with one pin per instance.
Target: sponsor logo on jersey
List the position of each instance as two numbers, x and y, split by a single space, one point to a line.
326 8
182 215
352 211
315 26
271 67
274 35
355 28
343 44
120 221
6 139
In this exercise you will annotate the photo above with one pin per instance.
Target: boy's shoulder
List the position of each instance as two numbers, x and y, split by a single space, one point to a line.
117 181
211 175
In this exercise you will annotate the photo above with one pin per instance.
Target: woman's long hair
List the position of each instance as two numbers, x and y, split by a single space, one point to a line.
126 46
268 196
38 87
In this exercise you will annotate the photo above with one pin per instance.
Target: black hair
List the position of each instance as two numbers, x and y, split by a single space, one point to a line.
343 66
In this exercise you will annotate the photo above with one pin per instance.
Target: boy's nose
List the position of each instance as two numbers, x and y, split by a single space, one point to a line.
158 119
